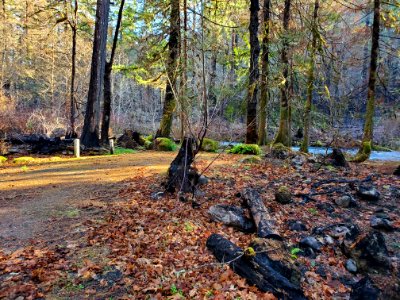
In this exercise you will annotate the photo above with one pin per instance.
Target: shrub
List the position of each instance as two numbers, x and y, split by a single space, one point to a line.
23 160
3 159
246 149
209 145
165 144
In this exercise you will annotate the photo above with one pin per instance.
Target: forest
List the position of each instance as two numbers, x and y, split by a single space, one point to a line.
199 149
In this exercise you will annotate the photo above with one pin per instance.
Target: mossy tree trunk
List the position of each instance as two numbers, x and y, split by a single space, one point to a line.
262 129
310 80
105 125
172 66
251 130
366 146
283 135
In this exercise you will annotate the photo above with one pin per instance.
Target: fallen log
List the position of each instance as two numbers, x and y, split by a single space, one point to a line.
37 144
262 219
257 269
231 215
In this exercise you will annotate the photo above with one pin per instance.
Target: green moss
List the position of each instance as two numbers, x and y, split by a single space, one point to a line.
246 149
209 145
3 159
148 144
364 152
381 148
23 160
119 151
318 144
250 160
279 147
165 144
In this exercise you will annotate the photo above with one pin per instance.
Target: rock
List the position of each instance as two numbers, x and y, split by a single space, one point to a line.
250 160
365 290
351 266
381 223
203 180
310 242
279 151
343 201
232 216
329 240
337 158
348 231
296 225
368 192
369 253
58 132
283 195
397 171
298 160
157 195
325 206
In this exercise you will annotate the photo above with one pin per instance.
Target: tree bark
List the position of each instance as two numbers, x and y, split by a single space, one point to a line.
172 64
251 129
90 132
105 124
310 80
366 146
257 268
262 129
262 219
283 135
183 82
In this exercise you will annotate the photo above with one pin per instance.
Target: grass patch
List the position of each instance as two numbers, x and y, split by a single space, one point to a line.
165 144
23 160
120 150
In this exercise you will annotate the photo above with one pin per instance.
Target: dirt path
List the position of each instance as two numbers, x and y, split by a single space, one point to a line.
48 201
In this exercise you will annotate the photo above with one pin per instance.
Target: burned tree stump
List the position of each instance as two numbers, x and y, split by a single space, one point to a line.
337 158
257 269
181 176
231 215
262 219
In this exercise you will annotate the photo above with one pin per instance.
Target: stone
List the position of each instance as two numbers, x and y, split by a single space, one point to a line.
368 192
365 290
283 195
351 266
157 195
310 242
370 252
325 206
343 201
296 225
250 160
397 171
298 160
203 180
381 223
329 240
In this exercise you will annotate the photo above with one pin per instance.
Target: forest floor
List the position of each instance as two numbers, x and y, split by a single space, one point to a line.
89 228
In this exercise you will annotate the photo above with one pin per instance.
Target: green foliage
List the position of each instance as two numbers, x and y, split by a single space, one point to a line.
24 168
176 291
23 160
3 159
189 227
294 252
209 145
120 150
318 144
246 149
313 211
165 144
249 251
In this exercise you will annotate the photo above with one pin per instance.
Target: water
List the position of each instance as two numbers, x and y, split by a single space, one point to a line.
375 155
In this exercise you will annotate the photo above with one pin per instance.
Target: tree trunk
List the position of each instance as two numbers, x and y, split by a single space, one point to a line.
262 129
251 129
310 81
90 132
183 82
260 214
105 124
283 135
172 64
366 146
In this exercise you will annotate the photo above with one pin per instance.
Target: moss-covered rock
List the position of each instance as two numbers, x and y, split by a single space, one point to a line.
250 160
165 144
209 145
246 149
283 195
318 144
3 159
23 160
280 151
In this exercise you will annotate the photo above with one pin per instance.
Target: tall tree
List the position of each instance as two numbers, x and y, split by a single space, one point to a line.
90 132
105 124
262 128
366 145
172 64
283 135
251 129
310 79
